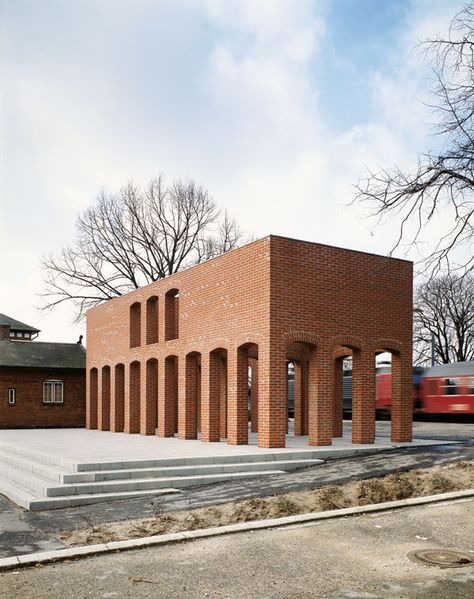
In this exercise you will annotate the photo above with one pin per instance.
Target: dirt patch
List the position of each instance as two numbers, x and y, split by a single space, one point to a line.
401 485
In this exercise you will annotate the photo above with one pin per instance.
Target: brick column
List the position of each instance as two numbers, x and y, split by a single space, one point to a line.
149 407
166 397
402 397
320 394
363 397
117 383
91 398
272 412
187 398
103 407
210 414
132 399
337 424
254 396
237 406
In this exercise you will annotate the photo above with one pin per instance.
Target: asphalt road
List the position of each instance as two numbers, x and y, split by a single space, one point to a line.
362 557
25 532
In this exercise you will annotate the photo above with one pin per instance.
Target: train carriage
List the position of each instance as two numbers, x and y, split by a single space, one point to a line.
449 389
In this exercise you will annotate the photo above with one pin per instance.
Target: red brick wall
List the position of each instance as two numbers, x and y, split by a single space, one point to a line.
221 302
270 298
29 410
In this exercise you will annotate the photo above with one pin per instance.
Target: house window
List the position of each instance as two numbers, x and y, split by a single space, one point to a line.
11 397
53 392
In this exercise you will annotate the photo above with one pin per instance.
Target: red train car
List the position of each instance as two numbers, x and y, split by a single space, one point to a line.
383 388
441 389
448 389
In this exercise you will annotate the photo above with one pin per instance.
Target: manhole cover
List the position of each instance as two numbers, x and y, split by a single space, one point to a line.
443 558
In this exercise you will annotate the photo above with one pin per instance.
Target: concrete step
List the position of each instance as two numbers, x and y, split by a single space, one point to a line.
50 459
29 501
175 482
29 465
200 460
34 483
16 493
104 475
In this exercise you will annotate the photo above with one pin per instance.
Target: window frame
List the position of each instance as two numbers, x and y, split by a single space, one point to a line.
53 384
12 396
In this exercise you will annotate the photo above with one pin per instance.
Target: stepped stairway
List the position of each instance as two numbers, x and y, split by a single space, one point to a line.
40 481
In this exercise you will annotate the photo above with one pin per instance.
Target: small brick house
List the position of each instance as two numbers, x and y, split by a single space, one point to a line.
174 357
41 384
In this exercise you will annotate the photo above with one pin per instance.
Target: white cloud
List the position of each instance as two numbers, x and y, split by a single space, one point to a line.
225 92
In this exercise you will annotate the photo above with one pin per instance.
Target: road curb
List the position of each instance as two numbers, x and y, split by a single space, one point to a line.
44 557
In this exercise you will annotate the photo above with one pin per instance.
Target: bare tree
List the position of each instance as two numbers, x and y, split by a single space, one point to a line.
444 316
443 182
131 238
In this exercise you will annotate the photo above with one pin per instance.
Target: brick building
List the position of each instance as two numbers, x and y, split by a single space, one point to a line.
174 357
41 384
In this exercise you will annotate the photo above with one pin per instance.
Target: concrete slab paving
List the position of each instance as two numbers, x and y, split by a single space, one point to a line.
96 447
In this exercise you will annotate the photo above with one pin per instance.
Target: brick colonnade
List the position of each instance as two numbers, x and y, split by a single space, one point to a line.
208 393
176 356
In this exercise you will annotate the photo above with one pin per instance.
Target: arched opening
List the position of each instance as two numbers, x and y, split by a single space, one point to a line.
93 392
103 412
132 407
395 390
117 405
152 320
354 390
135 324
189 398
213 407
253 394
342 389
239 407
168 405
149 408
172 314
299 364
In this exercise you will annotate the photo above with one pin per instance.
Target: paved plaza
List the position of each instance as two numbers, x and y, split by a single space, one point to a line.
92 446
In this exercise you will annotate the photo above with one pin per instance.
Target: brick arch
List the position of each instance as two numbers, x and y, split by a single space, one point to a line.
341 352
301 337
389 345
220 344
350 341
247 340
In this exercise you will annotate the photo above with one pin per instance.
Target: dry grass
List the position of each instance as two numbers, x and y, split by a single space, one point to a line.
401 485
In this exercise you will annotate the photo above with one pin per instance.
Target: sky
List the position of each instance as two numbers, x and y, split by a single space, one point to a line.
277 107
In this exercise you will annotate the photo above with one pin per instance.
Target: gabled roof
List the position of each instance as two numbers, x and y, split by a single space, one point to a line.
16 325
17 354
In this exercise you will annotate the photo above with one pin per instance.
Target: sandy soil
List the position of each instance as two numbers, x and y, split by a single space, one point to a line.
415 483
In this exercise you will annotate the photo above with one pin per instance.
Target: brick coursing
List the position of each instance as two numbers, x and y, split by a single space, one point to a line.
29 410
271 301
